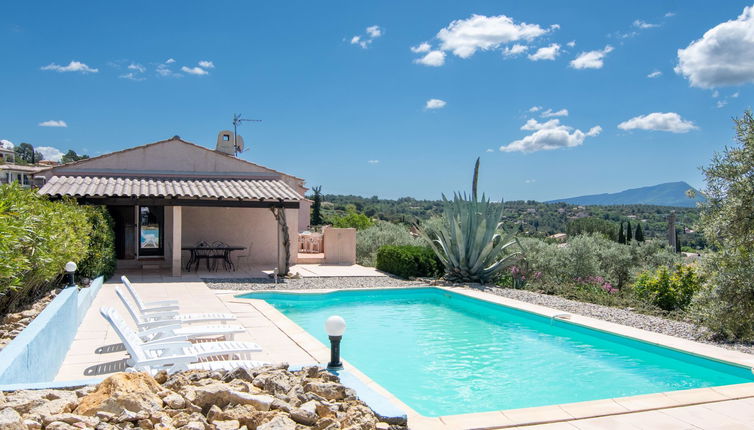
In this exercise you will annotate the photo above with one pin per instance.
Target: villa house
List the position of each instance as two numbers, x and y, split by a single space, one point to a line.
173 193
12 172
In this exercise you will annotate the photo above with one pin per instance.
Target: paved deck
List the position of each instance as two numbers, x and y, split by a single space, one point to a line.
243 271
96 351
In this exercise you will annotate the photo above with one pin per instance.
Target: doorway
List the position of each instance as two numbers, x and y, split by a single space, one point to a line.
124 218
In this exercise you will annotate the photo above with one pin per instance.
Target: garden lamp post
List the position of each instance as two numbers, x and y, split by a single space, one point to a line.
335 326
70 268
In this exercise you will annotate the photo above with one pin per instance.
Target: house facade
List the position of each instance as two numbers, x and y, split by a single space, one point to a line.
171 194
12 172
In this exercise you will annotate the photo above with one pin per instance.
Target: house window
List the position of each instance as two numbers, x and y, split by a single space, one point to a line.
226 137
26 179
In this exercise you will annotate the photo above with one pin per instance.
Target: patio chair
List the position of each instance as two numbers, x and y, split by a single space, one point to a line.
160 306
175 353
149 330
170 313
146 320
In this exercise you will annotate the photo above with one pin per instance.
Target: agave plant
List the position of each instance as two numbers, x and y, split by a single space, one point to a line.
470 242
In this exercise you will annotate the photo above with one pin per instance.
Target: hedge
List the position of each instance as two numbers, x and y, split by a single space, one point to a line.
37 238
409 261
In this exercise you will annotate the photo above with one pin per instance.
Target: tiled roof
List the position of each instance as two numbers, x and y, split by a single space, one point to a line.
198 188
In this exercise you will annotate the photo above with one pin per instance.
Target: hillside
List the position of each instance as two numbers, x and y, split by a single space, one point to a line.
668 194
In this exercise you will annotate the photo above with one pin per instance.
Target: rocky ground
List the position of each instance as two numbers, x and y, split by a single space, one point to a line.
267 398
617 315
12 324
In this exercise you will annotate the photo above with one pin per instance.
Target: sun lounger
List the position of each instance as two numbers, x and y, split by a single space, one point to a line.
149 329
175 353
160 306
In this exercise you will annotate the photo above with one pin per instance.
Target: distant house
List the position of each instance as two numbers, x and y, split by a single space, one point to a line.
12 172
173 193
558 236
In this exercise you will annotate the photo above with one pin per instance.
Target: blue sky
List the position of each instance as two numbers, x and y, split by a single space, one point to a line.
392 98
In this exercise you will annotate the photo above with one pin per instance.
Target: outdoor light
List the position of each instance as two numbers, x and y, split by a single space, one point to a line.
335 326
70 268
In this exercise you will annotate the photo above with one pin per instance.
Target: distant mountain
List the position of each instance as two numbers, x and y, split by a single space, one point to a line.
669 194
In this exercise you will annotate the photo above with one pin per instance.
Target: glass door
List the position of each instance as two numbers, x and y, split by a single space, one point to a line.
151 223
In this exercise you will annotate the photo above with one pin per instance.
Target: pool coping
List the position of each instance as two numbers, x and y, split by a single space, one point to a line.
539 414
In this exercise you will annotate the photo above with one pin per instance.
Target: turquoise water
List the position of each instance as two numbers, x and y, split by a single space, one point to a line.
442 353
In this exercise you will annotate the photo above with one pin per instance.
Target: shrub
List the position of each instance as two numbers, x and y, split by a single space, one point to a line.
669 290
409 261
37 238
380 234
352 219
100 258
591 225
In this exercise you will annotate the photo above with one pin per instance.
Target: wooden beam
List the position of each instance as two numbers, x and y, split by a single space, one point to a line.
127 201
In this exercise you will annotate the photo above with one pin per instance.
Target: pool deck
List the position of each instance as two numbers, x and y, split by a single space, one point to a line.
96 352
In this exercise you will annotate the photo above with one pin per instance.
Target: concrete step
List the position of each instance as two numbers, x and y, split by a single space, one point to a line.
310 258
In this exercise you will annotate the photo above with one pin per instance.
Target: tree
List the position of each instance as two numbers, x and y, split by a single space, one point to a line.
25 153
639 234
726 304
72 156
316 218
629 233
621 235
677 243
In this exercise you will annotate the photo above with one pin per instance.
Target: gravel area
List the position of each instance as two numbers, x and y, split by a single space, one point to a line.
617 315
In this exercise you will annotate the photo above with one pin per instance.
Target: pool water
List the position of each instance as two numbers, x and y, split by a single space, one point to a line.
444 353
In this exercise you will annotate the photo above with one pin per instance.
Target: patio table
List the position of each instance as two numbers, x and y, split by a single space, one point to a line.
209 253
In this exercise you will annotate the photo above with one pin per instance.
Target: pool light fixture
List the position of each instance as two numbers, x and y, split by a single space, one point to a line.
70 268
335 326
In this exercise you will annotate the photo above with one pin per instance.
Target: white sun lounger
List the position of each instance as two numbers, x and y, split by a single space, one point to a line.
176 353
164 310
148 329
161 306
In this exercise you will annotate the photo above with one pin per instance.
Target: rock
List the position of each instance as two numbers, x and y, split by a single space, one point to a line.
247 416
60 425
218 394
161 377
327 424
306 414
174 401
122 392
71 419
238 373
328 390
280 422
11 420
194 425
54 407
32 424
214 413
359 416
310 371
382 426
227 425
276 383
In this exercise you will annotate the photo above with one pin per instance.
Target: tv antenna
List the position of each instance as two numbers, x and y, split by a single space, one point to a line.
237 120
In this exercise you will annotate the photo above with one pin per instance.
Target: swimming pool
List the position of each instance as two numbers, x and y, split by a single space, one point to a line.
444 353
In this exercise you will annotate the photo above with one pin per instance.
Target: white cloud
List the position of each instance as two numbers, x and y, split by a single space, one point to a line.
734 95
535 108
546 53
548 136
374 31
591 59
669 14
529 181
644 25
50 153
73 66
132 77
723 56
53 123
364 41
194 70
435 104
422 47
549 113
433 58
373 161
571 44
655 74
169 61
515 50
137 67
715 94
659 121
721 103
206 64
463 37
490 150
165 71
